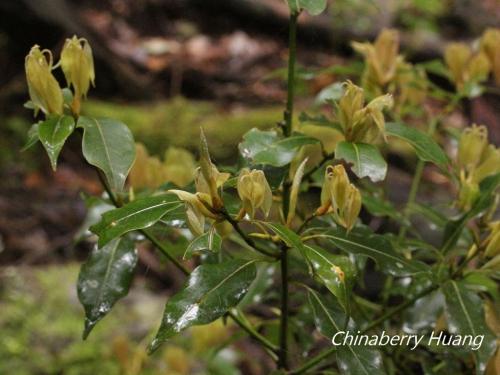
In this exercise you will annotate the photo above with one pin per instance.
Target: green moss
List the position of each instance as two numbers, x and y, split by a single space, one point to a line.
41 323
177 122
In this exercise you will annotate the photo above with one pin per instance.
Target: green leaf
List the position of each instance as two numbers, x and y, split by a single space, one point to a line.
335 271
139 214
108 145
265 147
105 278
359 360
329 317
313 7
425 147
352 360
33 137
454 228
466 317
288 236
211 290
366 159
53 132
208 241
376 247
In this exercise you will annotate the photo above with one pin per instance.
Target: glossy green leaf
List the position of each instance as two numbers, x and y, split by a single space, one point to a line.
352 360
366 159
266 147
108 145
211 290
288 236
139 214
466 317
335 271
105 278
454 228
53 132
313 7
425 147
329 317
208 241
33 137
376 247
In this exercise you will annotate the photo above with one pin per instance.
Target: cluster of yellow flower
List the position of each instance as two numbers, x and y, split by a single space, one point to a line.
77 65
467 66
362 123
386 71
339 197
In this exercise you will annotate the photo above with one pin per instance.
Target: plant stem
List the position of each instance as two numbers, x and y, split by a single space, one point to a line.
283 353
157 243
287 131
320 357
249 241
292 55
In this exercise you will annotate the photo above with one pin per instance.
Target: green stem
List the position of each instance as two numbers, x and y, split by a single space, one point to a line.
157 243
249 241
283 353
292 55
287 131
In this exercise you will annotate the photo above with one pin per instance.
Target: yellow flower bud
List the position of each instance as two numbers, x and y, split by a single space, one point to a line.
352 207
208 179
479 68
254 192
340 197
489 164
351 102
381 57
472 144
493 240
77 64
197 208
218 178
44 90
464 66
469 191
490 45
294 192
369 123
456 57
